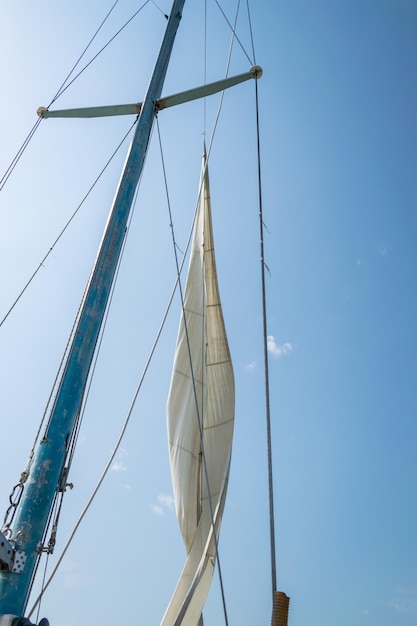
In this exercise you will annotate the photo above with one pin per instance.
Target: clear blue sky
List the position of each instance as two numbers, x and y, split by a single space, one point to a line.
338 104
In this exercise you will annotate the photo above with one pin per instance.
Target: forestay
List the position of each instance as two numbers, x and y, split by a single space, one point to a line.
200 418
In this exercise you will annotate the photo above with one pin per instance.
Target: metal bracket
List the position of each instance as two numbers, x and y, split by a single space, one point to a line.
19 561
11 560
6 554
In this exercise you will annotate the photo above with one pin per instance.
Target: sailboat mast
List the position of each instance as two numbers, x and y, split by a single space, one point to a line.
47 470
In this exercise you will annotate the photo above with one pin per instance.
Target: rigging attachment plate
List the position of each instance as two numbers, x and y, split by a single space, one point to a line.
11 560
6 554
19 561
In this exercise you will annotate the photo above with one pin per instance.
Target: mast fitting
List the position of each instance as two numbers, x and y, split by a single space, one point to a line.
257 71
11 560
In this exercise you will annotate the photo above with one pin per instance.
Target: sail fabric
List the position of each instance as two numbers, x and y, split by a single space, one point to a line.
200 419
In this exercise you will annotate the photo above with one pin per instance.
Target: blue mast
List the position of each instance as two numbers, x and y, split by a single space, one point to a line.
46 471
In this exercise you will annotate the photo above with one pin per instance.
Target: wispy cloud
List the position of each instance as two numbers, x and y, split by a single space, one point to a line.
251 366
277 350
119 466
405 602
407 607
165 503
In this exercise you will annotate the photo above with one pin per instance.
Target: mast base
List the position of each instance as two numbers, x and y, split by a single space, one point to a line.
14 620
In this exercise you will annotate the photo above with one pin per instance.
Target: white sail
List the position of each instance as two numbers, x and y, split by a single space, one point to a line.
200 418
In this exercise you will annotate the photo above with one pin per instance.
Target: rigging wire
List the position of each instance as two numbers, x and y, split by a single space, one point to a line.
44 258
159 9
219 108
43 582
19 153
264 320
266 362
251 32
64 86
23 147
62 89
263 288
233 29
229 59
205 67
216 120
265 344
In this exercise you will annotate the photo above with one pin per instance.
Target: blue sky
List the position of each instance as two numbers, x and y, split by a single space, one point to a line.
338 103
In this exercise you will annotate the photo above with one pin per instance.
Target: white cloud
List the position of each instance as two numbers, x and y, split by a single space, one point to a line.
404 606
166 503
158 510
119 466
275 349
404 601
165 500
251 366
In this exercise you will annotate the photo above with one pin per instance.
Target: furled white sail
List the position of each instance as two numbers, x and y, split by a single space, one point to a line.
200 418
